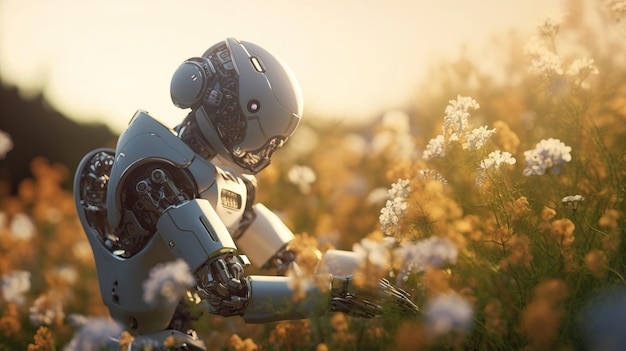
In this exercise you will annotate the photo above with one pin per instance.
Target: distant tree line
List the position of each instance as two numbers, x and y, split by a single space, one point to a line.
38 130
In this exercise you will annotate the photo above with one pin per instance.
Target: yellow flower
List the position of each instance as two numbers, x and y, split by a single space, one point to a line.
494 323
541 318
237 344
10 321
521 208
596 262
291 334
321 347
126 339
609 219
563 231
505 138
43 340
518 249
547 214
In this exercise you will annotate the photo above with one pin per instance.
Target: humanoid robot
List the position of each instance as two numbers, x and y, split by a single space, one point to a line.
188 193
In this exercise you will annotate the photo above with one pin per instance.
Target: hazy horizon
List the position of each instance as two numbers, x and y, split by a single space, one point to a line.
353 59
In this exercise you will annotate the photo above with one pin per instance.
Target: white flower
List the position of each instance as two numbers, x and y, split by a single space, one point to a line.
399 189
22 227
493 163
376 252
46 310
573 198
581 69
583 66
14 285
392 212
95 334
548 27
430 174
448 312
377 196
435 148
618 9
433 252
546 63
67 274
455 121
6 144
549 153
572 201
497 158
477 138
299 280
395 207
302 177
168 281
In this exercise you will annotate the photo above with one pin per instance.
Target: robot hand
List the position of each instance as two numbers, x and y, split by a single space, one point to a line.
369 301
223 287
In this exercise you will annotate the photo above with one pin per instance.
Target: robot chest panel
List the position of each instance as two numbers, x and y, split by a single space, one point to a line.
228 196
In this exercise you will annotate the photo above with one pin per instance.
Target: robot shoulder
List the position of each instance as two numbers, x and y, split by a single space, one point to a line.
144 142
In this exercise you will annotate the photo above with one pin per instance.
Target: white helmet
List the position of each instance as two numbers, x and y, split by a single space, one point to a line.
244 100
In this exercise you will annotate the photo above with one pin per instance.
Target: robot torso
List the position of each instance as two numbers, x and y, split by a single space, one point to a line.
122 194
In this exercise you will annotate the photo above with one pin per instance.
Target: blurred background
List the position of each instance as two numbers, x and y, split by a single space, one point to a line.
65 62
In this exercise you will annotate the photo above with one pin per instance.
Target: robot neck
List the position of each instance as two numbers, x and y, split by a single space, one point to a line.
190 133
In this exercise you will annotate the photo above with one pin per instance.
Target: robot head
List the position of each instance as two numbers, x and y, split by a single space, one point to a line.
245 101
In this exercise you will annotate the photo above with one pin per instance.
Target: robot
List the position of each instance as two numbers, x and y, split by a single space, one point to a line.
189 193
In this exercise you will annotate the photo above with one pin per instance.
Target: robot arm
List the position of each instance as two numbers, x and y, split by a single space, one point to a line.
266 243
194 232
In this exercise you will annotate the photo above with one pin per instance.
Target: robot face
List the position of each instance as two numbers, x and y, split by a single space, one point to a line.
256 160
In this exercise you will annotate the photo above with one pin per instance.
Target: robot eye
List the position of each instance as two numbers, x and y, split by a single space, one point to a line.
254 106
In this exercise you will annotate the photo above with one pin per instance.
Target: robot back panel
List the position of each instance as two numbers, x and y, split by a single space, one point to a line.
119 278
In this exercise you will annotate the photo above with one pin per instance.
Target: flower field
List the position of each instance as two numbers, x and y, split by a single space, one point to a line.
496 199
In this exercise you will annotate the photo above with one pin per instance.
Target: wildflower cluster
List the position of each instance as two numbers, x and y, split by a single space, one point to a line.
548 154
447 313
546 61
395 207
457 129
14 285
433 252
492 165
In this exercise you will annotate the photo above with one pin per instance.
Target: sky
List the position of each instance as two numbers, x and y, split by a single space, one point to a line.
354 59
